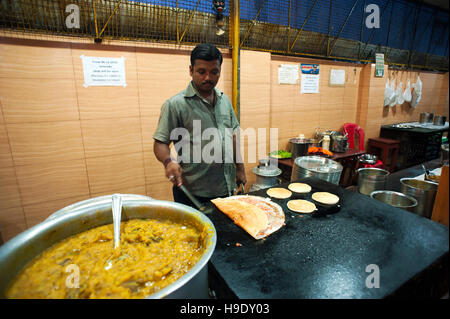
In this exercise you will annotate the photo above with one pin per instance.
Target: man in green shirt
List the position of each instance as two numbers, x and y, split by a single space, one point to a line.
201 123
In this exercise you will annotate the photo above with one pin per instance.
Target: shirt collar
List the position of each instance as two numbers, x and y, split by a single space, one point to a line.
191 91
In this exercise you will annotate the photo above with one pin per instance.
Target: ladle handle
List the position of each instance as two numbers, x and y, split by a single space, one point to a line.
117 214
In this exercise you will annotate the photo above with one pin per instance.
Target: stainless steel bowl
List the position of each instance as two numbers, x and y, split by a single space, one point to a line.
316 166
17 252
395 199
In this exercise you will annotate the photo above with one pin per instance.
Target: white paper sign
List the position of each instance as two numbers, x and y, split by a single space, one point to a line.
288 74
100 71
310 78
337 77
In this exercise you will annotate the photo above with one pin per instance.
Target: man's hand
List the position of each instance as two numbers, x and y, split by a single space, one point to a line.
174 172
240 174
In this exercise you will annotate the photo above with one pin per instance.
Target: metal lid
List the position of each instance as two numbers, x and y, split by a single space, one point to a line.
267 171
318 164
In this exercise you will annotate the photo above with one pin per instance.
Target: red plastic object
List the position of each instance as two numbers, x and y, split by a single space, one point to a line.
351 129
378 164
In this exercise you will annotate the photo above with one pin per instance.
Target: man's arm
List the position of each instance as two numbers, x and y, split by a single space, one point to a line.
162 153
240 169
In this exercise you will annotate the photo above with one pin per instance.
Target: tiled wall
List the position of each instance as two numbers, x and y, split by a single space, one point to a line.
61 142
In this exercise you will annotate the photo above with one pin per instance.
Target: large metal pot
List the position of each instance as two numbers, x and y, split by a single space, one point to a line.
395 199
316 166
371 179
423 191
299 146
16 253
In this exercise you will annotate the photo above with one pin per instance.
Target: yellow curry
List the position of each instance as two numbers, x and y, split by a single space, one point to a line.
152 255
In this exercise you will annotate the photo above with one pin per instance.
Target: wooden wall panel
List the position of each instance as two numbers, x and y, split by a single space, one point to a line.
31 100
38 212
9 190
21 60
48 142
110 173
5 151
52 181
12 222
108 137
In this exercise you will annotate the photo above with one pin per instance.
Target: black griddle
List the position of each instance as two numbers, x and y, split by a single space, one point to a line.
326 255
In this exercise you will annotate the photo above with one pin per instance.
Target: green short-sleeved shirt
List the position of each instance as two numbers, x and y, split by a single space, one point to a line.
203 137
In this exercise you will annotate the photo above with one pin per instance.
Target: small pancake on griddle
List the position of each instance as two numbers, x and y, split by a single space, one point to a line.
301 206
299 188
325 198
279 192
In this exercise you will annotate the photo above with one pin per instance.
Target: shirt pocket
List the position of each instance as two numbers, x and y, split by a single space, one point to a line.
224 120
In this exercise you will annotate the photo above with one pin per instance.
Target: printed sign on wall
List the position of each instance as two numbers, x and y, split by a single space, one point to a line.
310 78
100 71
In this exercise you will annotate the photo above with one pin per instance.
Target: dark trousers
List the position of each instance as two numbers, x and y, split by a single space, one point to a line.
180 197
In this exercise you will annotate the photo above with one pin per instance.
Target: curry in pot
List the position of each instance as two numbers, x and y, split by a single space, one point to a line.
152 255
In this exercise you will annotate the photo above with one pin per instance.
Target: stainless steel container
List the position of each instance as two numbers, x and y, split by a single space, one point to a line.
267 176
371 179
395 199
339 143
17 252
423 191
426 117
439 120
316 166
299 146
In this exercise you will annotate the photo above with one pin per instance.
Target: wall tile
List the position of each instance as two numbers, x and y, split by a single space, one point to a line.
106 174
5 153
12 222
31 100
112 136
22 61
52 181
39 212
47 142
9 190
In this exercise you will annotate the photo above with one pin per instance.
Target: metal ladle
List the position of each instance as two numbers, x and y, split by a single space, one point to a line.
117 212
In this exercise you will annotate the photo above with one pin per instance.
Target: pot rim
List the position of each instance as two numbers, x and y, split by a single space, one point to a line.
412 199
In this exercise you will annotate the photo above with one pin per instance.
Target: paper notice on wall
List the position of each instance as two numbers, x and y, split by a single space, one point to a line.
310 78
337 77
288 74
100 71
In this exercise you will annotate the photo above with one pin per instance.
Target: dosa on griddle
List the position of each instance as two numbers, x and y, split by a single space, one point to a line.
256 215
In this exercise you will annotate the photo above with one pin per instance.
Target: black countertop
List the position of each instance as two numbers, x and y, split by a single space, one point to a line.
432 129
326 255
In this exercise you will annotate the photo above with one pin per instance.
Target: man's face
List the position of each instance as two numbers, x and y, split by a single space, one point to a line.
205 75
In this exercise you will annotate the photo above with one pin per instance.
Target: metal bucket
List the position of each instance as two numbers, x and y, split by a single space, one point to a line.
17 252
426 117
371 179
395 199
316 166
423 191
